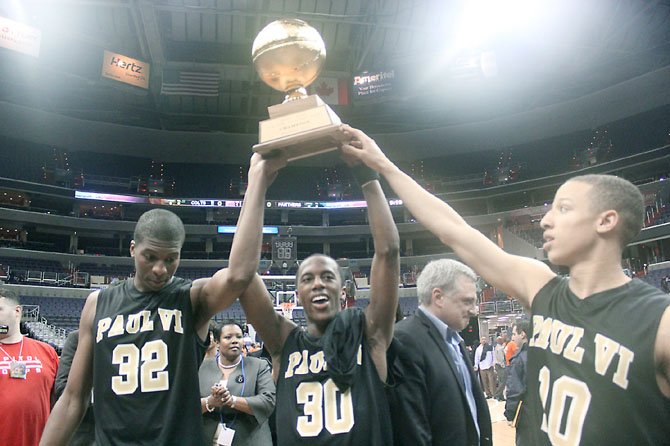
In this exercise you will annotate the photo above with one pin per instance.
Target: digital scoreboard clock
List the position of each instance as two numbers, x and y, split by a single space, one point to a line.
284 249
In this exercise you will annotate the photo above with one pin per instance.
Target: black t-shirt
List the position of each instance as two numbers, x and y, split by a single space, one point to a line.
311 409
145 368
591 373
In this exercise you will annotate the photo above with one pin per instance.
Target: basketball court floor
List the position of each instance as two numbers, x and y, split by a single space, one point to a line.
503 434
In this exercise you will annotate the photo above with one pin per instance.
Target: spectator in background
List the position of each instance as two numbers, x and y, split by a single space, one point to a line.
500 363
437 399
470 355
254 350
510 350
85 433
248 342
484 364
213 347
27 375
515 411
236 390
665 284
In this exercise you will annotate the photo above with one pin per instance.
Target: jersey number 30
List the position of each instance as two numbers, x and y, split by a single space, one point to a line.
324 405
147 364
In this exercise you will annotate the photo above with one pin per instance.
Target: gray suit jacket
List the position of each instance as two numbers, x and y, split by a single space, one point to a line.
428 402
259 391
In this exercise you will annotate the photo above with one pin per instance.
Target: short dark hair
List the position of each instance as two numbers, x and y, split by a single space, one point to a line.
10 295
611 192
159 224
311 256
218 327
524 326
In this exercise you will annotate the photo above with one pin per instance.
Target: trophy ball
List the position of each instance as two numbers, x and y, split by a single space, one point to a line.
288 55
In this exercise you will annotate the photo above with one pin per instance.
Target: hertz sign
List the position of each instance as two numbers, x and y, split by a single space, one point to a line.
125 69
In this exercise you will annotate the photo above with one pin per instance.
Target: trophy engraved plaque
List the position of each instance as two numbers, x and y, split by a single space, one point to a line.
288 55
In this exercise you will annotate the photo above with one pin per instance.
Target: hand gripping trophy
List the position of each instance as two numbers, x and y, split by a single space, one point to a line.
288 55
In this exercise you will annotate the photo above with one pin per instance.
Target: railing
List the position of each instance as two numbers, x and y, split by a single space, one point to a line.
31 313
500 307
77 279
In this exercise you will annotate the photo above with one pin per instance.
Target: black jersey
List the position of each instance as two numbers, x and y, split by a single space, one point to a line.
591 373
311 409
145 367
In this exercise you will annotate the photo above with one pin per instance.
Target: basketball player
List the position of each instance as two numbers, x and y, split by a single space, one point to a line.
141 342
599 357
330 388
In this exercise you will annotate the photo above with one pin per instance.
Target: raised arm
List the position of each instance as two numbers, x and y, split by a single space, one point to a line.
271 326
209 296
517 276
72 404
385 270
662 354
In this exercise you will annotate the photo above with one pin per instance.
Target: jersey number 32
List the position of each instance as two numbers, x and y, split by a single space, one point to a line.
140 368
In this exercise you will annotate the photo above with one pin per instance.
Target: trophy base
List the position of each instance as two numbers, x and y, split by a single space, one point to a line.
300 128
303 145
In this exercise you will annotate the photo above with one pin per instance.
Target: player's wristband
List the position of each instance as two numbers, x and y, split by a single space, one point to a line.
363 174
232 405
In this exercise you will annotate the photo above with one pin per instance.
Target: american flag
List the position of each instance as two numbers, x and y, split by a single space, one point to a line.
190 83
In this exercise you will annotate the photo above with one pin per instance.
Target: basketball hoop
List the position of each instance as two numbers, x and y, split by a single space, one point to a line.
287 309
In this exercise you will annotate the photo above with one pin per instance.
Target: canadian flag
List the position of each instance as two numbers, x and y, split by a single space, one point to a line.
333 91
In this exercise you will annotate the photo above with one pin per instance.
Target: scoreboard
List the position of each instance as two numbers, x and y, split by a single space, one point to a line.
284 249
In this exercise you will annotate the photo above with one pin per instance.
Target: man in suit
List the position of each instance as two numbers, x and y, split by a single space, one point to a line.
437 399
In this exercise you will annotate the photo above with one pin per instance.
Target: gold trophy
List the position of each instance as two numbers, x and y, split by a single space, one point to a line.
288 55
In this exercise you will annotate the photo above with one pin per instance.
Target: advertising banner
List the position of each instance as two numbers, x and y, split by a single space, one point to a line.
125 69
16 36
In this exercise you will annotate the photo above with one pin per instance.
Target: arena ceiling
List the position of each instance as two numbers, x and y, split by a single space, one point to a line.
559 66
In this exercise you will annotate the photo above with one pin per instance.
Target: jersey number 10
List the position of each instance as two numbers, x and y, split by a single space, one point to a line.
563 417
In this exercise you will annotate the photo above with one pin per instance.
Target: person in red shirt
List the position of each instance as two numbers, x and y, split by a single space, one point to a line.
27 375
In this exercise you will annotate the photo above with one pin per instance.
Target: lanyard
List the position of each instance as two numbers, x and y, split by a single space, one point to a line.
20 350
244 384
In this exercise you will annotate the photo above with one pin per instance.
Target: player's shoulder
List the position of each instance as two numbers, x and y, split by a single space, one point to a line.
646 297
648 290
91 302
